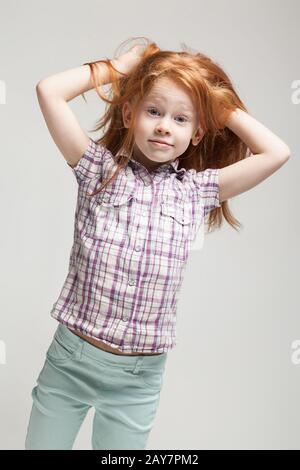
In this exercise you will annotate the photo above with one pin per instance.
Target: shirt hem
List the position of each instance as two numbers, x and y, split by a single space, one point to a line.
113 345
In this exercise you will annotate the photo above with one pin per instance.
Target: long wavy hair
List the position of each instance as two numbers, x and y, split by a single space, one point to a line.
214 98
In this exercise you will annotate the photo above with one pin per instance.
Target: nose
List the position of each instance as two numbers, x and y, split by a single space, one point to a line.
162 128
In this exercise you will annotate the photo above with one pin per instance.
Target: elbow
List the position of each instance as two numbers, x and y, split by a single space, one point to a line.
287 154
39 85
284 157
284 154
284 148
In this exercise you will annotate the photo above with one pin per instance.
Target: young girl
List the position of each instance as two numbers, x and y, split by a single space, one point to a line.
174 152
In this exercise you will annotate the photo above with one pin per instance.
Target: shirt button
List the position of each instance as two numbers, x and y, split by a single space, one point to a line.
132 282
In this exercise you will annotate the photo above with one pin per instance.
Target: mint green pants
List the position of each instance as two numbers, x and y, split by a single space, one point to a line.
123 390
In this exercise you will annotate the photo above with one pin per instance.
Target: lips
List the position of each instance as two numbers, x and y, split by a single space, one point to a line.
161 142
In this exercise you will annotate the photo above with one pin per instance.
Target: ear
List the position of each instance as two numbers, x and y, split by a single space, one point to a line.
126 114
197 136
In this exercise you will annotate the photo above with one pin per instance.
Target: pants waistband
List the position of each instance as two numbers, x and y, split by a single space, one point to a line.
64 334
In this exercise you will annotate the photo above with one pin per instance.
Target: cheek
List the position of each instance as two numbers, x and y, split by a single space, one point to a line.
140 128
144 127
184 137
184 144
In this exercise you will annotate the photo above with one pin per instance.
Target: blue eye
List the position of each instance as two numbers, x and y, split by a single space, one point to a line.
184 119
149 109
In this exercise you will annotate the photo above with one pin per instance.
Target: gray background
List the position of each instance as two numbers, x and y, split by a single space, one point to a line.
232 381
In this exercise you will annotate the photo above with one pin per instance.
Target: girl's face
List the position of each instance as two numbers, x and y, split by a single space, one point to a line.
166 113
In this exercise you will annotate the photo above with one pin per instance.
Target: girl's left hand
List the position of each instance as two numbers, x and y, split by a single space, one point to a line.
128 61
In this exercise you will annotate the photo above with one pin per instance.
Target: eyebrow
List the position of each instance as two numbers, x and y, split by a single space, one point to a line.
156 98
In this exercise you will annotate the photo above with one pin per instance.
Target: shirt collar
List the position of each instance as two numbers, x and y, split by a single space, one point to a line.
172 166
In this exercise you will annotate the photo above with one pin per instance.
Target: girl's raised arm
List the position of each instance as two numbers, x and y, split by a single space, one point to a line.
269 154
55 91
53 95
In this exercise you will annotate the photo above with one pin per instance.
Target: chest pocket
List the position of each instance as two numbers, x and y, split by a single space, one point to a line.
109 216
175 226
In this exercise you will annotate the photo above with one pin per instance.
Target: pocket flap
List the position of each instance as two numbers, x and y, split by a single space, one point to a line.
114 199
179 212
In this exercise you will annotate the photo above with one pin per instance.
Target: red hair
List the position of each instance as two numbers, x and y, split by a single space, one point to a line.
214 98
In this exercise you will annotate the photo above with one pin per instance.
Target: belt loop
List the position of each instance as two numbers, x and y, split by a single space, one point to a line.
138 365
80 347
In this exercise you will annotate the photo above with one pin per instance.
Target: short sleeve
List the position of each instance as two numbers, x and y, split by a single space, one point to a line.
96 161
207 186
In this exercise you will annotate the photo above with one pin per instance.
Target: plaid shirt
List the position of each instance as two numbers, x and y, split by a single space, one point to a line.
131 244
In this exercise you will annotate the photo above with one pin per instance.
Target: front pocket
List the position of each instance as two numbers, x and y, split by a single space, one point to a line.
109 215
174 229
152 378
60 352
175 220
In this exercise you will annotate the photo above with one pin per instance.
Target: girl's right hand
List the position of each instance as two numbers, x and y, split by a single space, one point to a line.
128 61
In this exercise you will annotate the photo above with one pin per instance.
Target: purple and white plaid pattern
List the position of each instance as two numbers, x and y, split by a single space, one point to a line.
131 244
